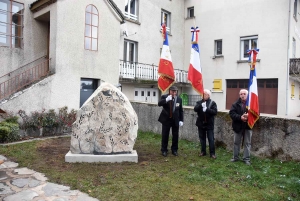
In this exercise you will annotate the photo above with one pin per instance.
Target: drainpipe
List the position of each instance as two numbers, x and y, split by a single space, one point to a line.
288 66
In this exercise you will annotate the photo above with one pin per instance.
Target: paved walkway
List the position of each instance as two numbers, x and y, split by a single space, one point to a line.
23 184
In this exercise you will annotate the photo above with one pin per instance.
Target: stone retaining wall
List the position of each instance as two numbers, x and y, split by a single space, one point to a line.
273 136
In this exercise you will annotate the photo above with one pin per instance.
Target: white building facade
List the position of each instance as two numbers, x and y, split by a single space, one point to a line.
119 41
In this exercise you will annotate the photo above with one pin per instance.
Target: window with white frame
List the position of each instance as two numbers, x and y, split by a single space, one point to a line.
248 43
294 48
11 23
131 9
218 47
166 18
91 28
130 51
295 9
190 12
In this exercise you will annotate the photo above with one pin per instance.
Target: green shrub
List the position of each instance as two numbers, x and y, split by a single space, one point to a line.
9 131
4 132
50 119
12 119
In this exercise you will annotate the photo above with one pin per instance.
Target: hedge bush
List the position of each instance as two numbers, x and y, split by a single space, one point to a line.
9 131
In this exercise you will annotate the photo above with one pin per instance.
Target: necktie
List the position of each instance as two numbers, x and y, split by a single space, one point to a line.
171 108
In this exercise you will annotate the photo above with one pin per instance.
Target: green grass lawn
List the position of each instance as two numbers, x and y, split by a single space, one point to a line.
158 178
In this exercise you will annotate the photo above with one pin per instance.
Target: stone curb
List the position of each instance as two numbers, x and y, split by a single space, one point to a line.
27 185
34 139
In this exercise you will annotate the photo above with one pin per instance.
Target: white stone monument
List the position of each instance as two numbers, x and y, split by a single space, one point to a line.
105 129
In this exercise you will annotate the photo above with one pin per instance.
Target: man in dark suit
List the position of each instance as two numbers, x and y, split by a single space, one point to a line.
171 116
206 110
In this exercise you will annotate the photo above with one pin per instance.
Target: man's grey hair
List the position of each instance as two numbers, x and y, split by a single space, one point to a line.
207 91
244 90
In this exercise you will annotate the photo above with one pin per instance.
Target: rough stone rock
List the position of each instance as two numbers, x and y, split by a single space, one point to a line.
105 124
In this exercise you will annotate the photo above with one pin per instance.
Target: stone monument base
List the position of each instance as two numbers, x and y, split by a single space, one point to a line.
90 158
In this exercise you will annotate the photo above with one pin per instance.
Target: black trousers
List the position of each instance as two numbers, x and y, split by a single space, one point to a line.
211 140
165 137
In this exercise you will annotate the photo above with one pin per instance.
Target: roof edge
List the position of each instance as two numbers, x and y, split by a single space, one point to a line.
117 10
39 4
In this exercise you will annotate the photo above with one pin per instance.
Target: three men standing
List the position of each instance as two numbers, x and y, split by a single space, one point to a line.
171 116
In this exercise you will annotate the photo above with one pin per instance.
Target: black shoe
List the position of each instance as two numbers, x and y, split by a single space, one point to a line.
164 153
247 162
202 154
175 153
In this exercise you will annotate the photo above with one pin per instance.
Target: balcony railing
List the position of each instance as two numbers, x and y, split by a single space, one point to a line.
294 66
23 79
131 16
142 71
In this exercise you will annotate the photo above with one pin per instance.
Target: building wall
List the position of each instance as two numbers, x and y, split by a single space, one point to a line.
69 60
292 106
73 62
230 20
148 34
294 103
35 98
34 46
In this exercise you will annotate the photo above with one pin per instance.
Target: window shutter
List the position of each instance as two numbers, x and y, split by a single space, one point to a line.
293 90
217 84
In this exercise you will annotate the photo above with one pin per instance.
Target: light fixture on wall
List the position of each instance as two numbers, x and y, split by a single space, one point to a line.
125 33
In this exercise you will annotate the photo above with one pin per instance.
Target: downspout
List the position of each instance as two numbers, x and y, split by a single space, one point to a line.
288 66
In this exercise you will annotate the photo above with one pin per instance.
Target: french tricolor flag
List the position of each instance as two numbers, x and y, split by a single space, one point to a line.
195 73
165 68
252 100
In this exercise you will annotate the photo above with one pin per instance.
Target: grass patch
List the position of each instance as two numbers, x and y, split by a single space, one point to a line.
156 178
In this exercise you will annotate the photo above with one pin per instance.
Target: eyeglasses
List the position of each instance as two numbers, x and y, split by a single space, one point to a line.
242 93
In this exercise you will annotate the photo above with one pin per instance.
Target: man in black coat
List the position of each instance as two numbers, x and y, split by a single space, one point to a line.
239 115
206 110
171 116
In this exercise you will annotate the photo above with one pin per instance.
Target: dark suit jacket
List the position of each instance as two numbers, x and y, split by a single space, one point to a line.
164 116
208 116
236 111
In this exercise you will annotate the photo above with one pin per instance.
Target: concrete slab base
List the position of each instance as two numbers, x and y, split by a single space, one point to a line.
89 158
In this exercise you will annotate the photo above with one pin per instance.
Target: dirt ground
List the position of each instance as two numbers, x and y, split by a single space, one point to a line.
53 151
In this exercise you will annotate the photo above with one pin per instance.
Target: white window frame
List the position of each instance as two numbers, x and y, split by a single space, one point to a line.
294 48
249 39
91 28
216 47
130 55
131 13
11 33
295 9
168 19
189 12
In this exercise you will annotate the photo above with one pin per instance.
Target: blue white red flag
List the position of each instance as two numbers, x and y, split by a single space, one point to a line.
195 72
165 68
252 100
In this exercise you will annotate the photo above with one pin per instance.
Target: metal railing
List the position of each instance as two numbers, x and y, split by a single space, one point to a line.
130 16
142 71
193 99
23 79
294 66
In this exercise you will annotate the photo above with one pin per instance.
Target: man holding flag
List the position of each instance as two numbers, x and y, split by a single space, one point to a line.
245 112
171 115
